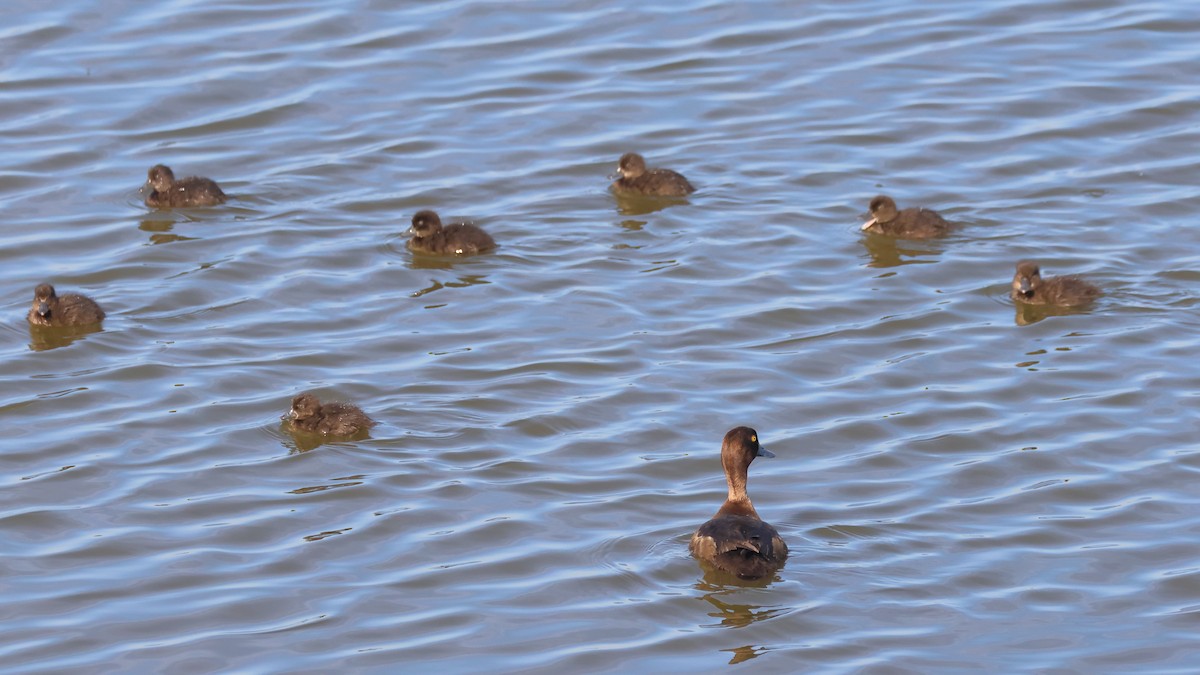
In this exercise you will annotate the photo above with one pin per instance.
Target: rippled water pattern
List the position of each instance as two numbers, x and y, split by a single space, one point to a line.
962 485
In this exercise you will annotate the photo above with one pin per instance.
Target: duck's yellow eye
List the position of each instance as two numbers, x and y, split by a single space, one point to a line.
754 439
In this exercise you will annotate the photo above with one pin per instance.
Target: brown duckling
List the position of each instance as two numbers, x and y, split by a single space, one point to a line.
911 223
429 236
328 419
636 179
166 192
736 540
69 309
1029 287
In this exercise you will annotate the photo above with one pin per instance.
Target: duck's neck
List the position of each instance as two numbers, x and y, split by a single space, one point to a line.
738 502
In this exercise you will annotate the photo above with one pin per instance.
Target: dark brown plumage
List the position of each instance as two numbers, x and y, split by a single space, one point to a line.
636 179
1029 287
736 540
166 192
328 419
69 309
429 236
912 223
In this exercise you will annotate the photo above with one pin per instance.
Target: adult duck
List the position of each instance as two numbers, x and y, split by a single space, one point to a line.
736 540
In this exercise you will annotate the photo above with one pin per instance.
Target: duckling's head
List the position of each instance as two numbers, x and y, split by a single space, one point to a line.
160 177
425 223
631 165
883 209
305 406
43 297
1027 279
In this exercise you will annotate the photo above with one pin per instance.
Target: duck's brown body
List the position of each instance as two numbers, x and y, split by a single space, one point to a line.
328 419
1029 287
69 309
637 179
430 236
736 540
166 192
911 223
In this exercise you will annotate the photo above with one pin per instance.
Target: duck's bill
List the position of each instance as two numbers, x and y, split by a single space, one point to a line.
763 452
868 224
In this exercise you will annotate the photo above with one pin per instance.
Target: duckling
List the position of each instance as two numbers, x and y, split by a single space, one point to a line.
328 419
911 223
69 309
1029 287
166 192
636 179
428 236
736 540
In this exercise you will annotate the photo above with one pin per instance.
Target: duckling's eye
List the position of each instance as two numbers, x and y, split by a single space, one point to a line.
754 439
